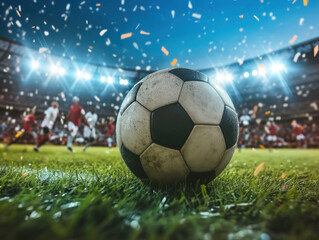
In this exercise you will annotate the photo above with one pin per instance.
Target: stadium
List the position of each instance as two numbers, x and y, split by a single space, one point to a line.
62 182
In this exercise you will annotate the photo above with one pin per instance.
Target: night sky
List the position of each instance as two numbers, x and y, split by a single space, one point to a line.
199 34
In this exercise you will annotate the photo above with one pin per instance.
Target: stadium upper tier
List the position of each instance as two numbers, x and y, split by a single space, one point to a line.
283 84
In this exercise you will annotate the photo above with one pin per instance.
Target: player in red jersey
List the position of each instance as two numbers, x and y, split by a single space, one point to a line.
74 118
271 129
26 132
110 132
297 130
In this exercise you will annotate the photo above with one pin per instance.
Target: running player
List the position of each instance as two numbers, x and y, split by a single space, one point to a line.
271 129
297 130
50 116
109 132
29 122
74 118
90 134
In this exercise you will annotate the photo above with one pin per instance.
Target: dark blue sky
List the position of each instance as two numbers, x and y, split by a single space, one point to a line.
219 37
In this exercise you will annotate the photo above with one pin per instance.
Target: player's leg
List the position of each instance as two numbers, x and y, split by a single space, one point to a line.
72 132
90 136
109 142
43 137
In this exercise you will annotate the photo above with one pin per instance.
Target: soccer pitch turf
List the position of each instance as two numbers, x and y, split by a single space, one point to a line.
56 194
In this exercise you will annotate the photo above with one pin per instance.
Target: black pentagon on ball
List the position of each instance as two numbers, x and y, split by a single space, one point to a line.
130 97
200 177
171 126
188 75
229 127
133 162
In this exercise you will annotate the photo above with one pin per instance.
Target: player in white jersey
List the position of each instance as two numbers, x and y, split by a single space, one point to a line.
50 116
90 134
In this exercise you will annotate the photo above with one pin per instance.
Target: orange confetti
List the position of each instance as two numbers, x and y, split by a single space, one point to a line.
144 33
173 63
294 38
18 134
33 26
255 108
305 2
268 112
126 35
258 169
294 1
24 174
262 146
90 47
18 13
164 50
283 176
261 65
241 16
98 4
262 1
316 50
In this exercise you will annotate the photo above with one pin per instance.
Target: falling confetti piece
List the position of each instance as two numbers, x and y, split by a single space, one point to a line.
256 18
173 13
18 13
190 5
262 146
241 16
267 113
196 15
24 174
305 2
18 134
98 4
126 35
144 33
258 169
283 176
262 65
301 21
262 1
297 55
315 50
164 50
294 38
103 32
294 1
173 63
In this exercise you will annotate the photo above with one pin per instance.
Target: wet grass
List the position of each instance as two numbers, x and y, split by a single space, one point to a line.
55 194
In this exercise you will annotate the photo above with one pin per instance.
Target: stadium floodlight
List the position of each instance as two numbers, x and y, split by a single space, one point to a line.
53 69
34 64
229 77
87 76
79 74
61 71
278 67
246 75
254 73
102 79
219 77
110 80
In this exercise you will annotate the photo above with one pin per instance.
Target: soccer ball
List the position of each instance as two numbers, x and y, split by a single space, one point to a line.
175 125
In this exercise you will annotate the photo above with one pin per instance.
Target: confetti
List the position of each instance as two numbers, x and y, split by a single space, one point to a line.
294 1
126 35
103 32
261 65
283 176
144 33
262 1
301 21
98 4
173 63
297 55
164 50
196 15
315 50
18 13
18 134
262 146
294 38
256 18
258 169
305 2
190 5
24 174
173 13
241 16
267 113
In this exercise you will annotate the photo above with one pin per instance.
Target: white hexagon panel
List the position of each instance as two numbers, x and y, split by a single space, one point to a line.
135 128
160 90
164 164
202 103
225 160
204 148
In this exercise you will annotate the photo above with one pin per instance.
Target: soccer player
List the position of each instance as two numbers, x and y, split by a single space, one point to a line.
26 133
50 116
271 129
109 133
297 130
90 134
74 118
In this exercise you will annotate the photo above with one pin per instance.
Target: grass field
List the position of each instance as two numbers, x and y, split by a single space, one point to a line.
56 194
